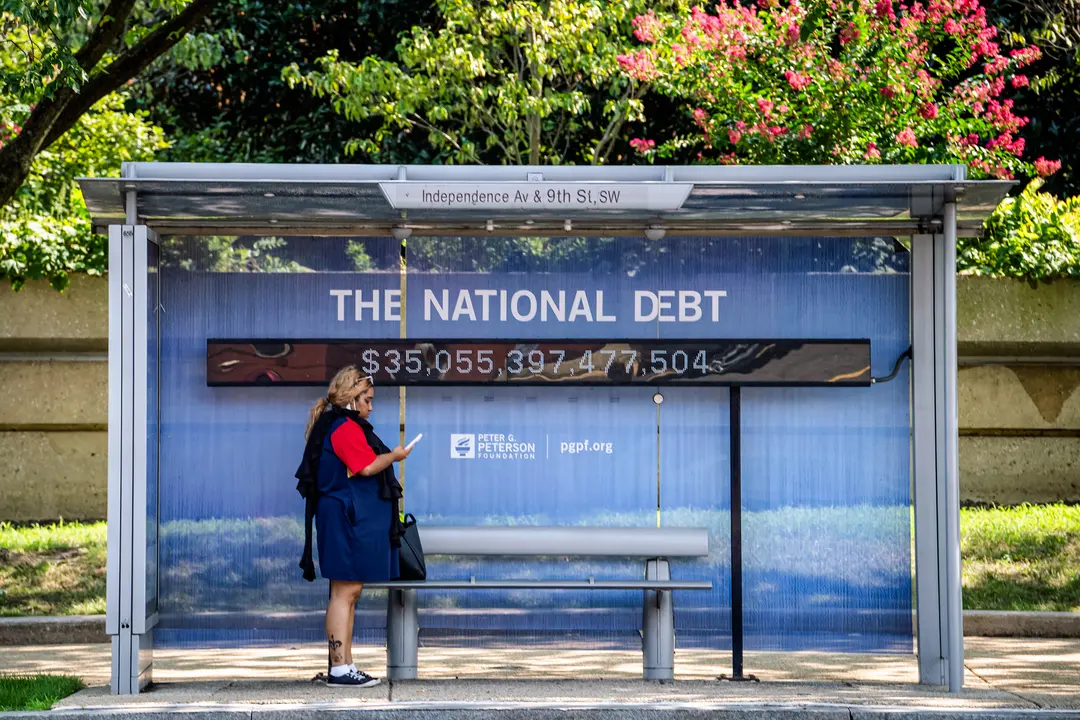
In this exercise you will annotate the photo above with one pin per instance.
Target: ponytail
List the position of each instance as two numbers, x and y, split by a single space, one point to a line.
316 411
346 386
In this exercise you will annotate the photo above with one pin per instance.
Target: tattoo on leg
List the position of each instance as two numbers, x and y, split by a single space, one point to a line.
335 651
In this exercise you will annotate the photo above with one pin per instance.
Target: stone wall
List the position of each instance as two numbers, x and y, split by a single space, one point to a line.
1019 408
1019 350
54 401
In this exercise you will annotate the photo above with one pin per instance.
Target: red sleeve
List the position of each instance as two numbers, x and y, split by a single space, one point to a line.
352 447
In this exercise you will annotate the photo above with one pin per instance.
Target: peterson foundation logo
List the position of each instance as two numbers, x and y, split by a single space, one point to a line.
490 446
462 446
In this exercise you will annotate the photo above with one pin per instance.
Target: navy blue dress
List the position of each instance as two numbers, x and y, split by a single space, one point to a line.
352 521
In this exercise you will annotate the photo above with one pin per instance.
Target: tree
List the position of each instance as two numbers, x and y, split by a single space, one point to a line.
45 230
501 82
220 95
837 81
61 57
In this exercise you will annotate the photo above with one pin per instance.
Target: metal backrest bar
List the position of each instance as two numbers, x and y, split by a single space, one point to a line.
579 541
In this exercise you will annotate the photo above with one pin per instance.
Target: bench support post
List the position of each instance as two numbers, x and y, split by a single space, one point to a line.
658 626
402 634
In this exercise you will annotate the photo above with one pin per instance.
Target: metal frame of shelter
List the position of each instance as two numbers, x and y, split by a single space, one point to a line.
930 204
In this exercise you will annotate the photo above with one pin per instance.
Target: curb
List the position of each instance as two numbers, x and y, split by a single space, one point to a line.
1000 623
64 630
544 711
80 629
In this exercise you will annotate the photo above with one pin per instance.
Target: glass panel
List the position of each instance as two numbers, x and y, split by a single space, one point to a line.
820 467
825 474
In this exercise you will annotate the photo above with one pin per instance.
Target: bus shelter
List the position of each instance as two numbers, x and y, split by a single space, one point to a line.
766 352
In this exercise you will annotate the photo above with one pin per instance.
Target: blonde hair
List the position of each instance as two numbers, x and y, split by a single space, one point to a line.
348 385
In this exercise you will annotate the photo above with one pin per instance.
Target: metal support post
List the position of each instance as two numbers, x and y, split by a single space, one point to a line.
402 634
953 587
658 626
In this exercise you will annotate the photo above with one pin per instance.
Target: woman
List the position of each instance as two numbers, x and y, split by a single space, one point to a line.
355 510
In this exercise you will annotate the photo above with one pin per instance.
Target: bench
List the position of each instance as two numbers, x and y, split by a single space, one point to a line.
654 545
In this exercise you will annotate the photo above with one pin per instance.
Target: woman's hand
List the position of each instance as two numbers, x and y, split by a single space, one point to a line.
399 453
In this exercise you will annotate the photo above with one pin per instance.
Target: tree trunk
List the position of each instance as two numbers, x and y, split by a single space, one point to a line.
16 159
534 139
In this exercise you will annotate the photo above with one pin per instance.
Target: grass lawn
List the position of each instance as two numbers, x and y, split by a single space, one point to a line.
35 692
1023 558
52 569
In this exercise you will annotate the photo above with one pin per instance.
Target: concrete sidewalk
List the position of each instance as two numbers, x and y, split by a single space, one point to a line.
1001 674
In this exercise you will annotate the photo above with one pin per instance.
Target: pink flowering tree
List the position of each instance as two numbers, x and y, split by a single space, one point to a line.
837 81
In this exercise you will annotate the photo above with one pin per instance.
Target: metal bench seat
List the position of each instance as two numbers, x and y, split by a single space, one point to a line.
654 545
548 585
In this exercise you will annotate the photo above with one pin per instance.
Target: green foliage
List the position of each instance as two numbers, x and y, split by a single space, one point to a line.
499 82
1033 236
41 39
35 692
229 254
45 230
220 96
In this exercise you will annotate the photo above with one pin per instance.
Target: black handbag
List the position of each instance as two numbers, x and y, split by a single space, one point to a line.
411 554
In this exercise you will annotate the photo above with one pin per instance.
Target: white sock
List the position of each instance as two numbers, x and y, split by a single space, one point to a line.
339 670
353 667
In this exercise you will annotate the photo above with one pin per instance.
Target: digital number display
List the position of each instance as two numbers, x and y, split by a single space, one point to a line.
542 362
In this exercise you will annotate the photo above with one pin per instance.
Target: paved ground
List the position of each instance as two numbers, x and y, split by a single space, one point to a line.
1001 673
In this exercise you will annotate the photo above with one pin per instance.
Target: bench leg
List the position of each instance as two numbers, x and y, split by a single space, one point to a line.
658 627
402 634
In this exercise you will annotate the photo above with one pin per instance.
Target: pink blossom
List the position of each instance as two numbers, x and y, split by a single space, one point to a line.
781 109
682 54
1046 167
734 136
1003 140
952 27
996 65
888 91
884 9
806 132
647 28
849 34
797 81
1025 56
791 35
765 106
872 152
642 145
1019 81
929 111
1017 147
907 137
638 65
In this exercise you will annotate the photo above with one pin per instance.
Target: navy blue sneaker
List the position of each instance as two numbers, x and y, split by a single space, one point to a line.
353 678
